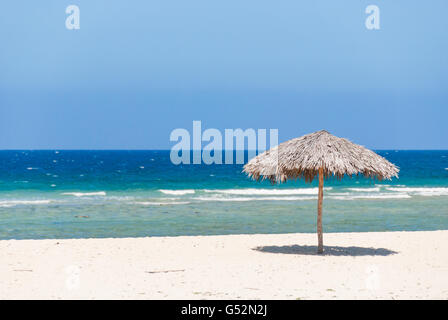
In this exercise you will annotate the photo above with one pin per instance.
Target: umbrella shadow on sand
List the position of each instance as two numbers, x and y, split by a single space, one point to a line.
328 250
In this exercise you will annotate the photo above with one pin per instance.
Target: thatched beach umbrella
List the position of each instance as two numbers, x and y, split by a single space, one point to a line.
319 153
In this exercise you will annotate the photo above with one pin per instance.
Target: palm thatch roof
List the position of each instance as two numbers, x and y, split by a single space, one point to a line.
302 157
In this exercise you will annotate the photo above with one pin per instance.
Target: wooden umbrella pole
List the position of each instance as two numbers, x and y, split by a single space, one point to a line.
320 247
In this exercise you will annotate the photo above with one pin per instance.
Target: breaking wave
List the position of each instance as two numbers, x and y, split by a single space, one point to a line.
374 189
366 197
12 203
84 194
427 192
152 203
238 199
178 192
267 192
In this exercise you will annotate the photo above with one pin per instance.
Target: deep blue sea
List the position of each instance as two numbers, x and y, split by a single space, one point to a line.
85 194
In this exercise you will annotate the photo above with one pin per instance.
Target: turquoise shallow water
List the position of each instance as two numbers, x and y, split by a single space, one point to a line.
83 194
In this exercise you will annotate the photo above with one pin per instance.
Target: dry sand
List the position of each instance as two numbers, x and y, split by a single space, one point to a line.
387 265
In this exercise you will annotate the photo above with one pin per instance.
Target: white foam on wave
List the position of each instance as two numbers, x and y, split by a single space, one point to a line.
243 199
427 192
120 198
266 192
12 203
367 197
84 194
151 203
178 192
373 189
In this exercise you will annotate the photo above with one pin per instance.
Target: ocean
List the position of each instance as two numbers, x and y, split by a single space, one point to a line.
96 194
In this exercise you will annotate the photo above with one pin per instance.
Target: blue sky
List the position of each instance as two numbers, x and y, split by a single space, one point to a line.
138 69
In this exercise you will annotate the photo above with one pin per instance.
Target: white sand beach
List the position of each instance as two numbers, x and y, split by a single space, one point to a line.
385 265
